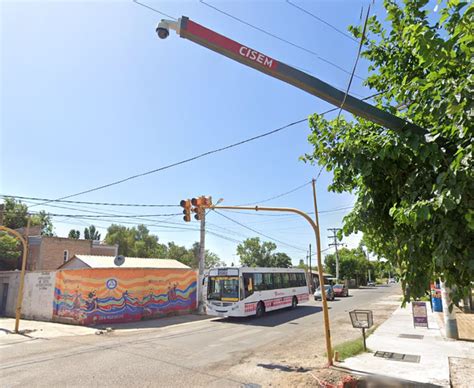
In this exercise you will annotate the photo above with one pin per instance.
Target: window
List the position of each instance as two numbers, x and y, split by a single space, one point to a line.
258 282
285 279
223 288
293 280
248 284
301 281
276 280
268 280
66 256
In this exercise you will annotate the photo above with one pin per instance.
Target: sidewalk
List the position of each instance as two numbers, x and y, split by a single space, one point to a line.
428 351
45 330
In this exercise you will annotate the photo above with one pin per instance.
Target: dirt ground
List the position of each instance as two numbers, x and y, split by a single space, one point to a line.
304 363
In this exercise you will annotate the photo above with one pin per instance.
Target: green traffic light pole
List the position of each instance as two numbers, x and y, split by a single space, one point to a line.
315 227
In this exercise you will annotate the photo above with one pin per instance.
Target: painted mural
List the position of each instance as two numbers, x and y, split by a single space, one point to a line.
95 296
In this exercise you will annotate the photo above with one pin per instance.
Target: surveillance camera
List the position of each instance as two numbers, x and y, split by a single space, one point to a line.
163 30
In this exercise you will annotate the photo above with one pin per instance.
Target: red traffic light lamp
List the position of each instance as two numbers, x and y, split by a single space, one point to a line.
202 201
186 204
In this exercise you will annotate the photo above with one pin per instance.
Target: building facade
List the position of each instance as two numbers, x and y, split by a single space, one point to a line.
49 253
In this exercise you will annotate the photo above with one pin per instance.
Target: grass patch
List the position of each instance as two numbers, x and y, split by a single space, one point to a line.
353 347
350 348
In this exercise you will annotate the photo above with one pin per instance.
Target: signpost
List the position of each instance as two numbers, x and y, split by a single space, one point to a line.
420 316
362 319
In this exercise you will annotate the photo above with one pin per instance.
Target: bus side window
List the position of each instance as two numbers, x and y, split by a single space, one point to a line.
276 280
258 282
285 280
293 280
248 284
302 279
268 280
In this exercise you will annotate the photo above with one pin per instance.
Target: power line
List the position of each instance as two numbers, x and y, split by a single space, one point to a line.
355 64
277 196
183 161
197 156
322 21
109 216
260 233
154 9
277 37
87 202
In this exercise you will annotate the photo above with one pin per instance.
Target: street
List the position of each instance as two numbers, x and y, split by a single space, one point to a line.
207 352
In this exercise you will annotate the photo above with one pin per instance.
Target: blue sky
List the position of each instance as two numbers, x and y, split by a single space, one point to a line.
90 95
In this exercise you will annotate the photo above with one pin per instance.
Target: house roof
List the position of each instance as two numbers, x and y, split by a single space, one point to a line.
130 262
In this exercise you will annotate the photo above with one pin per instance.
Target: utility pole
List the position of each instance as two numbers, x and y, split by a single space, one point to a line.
310 270
335 244
202 254
206 203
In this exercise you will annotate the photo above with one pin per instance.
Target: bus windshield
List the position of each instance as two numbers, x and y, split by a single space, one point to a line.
225 288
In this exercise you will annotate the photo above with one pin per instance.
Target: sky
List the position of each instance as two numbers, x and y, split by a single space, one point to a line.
90 95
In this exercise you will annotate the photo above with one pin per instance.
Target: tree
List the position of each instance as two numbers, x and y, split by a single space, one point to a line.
9 251
352 264
211 260
44 220
91 233
255 254
281 260
75 234
15 216
135 241
414 192
180 253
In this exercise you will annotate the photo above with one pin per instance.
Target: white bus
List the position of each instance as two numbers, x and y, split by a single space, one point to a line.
244 291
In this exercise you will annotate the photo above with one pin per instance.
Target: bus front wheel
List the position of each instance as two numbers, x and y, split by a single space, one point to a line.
260 310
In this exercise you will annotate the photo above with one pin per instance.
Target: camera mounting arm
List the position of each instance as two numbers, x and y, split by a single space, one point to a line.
203 36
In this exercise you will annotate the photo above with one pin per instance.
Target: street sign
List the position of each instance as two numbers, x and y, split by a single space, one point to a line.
420 315
241 53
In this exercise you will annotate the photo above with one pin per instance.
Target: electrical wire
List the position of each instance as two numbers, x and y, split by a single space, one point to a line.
108 216
277 196
181 162
154 9
260 233
265 134
355 64
315 54
345 34
87 202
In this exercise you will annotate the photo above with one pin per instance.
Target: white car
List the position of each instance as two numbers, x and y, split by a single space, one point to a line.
329 293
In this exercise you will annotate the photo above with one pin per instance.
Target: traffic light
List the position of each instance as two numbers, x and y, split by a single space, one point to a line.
199 213
186 204
202 201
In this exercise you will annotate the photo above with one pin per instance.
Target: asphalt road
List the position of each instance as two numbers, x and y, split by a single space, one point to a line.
196 353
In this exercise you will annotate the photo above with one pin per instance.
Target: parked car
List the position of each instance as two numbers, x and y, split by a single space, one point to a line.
340 290
371 284
392 280
329 293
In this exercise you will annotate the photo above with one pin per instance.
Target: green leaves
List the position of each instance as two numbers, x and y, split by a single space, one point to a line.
414 195
253 253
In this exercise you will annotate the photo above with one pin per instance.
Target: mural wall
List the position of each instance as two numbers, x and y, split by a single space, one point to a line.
95 296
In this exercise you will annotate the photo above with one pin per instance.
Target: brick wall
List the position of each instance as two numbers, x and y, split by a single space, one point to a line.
103 249
52 251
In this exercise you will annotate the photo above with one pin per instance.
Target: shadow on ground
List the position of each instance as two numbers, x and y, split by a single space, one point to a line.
283 368
273 318
155 323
